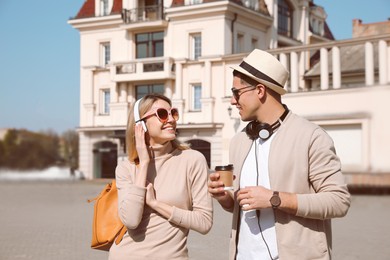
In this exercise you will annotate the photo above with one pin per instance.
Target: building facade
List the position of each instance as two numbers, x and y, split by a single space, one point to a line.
184 49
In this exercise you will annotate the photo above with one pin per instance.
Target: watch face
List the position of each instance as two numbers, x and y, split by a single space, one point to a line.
275 200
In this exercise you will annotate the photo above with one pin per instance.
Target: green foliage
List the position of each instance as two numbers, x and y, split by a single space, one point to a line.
70 148
2 153
24 150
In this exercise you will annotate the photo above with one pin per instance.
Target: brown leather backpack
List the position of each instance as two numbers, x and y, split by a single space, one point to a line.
106 224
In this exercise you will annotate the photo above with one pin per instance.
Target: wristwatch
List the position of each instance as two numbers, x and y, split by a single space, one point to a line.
275 200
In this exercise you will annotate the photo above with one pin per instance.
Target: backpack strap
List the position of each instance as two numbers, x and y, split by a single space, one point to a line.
121 234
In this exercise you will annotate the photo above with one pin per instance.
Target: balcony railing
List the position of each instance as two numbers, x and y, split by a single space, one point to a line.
147 68
354 62
143 14
141 66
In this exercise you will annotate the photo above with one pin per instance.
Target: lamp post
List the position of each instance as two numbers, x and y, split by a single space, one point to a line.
230 109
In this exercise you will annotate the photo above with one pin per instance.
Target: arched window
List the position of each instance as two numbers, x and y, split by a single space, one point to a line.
201 146
285 18
105 159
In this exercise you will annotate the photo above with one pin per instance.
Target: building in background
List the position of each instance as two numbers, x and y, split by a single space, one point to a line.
184 49
3 133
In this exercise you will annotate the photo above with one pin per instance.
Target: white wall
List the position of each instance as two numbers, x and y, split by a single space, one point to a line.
367 106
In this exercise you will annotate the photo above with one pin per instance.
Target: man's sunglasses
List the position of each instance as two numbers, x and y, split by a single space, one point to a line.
238 92
163 114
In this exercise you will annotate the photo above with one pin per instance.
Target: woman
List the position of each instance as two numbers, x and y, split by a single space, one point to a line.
162 187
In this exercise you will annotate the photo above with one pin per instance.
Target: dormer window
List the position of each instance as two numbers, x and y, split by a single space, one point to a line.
285 18
317 27
251 4
192 2
104 7
317 20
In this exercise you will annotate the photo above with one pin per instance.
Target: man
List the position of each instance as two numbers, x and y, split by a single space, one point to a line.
288 181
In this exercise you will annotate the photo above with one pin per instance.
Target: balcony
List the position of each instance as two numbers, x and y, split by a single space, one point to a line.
156 68
356 62
143 14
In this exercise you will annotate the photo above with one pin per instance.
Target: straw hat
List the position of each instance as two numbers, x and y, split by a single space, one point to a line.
264 68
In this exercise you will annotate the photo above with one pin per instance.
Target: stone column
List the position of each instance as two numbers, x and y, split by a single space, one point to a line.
177 94
114 93
369 61
294 72
382 47
122 92
336 67
87 113
324 69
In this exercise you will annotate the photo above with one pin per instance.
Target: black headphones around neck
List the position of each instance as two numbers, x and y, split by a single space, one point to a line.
256 129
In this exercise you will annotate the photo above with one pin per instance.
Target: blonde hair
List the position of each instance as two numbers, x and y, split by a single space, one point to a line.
145 104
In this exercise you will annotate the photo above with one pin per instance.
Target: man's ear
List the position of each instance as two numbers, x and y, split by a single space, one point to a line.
261 90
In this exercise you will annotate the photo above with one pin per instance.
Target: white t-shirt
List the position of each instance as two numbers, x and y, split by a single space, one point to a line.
252 243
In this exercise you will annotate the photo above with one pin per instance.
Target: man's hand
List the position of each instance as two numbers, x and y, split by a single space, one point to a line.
254 197
258 197
216 190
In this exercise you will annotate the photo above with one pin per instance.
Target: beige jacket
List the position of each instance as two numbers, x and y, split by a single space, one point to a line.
180 180
302 160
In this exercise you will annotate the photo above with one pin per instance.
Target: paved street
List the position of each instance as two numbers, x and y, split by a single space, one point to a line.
51 220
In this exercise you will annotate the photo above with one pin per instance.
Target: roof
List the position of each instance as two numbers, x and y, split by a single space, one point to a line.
352 59
88 9
181 2
327 32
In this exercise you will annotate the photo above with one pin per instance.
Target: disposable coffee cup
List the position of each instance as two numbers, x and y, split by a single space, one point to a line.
226 175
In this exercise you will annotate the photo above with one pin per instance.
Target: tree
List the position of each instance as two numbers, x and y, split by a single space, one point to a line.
9 146
70 148
2 154
28 150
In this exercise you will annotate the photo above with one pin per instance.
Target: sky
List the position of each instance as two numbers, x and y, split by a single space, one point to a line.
40 57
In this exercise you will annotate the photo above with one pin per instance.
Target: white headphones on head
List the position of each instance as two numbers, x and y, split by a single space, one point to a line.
137 118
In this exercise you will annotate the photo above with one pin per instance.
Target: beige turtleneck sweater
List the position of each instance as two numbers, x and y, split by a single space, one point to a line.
180 180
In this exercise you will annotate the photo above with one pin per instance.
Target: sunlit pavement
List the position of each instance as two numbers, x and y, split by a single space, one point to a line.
51 220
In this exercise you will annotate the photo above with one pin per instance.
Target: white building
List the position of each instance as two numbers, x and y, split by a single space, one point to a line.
185 48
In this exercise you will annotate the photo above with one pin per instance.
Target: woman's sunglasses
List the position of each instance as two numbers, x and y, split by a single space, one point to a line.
163 114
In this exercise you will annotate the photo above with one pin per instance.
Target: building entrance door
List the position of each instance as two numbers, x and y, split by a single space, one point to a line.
201 146
105 156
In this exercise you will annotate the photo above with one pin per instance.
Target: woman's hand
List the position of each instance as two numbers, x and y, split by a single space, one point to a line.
150 196
160 207
143 155
140 144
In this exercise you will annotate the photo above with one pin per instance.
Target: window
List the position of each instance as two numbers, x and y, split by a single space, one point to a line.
252 4
321 28
196 96
285 24
192 2
105 101
106 53
104 7
149 45
203 147
143 90
348 140
196 46
254 43
240 43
